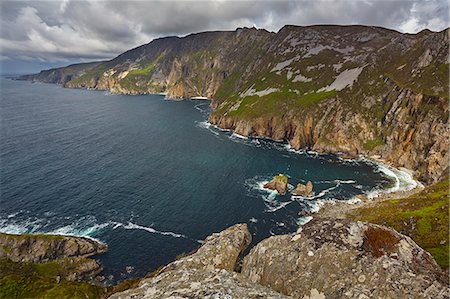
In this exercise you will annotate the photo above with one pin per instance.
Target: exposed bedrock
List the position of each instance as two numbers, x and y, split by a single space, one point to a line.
208 273
44 248
343 259
326 259
412 133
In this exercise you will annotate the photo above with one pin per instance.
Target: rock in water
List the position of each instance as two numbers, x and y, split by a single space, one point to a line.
208 273
44 248
344 259
279 183
302 190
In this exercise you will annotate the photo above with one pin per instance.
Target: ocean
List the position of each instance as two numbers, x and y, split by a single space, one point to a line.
150 177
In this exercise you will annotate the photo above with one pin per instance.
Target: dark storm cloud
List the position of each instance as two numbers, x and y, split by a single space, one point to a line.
66 30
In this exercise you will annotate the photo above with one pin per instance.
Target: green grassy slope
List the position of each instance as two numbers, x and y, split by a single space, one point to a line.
424 217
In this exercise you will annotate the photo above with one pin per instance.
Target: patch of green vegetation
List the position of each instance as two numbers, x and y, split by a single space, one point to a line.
228 85
314 97
371 144
281 178
423 216
27 280
147 70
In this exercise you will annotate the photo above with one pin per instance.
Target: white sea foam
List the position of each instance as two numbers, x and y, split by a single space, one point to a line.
131 225
253 220
208 126
236 135
303 220
403 180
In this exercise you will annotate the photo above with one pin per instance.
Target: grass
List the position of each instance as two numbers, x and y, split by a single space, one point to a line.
371 144
423 216
314 97
281 178
148 69
27 280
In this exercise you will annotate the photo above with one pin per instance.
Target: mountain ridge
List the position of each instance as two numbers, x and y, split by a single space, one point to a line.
351 89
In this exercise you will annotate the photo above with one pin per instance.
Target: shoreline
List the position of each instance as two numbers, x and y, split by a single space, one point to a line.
339 209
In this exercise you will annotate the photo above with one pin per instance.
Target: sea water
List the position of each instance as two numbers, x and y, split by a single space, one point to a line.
149 177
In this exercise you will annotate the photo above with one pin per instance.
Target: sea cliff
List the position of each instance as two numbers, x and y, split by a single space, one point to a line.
358 90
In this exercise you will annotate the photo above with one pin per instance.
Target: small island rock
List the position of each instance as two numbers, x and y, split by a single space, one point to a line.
304 190
279 183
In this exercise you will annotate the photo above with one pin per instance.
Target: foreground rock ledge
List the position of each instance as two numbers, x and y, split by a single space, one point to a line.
344 259
326 259
208 273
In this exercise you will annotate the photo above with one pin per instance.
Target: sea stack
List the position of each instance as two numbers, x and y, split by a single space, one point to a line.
304 190
279 183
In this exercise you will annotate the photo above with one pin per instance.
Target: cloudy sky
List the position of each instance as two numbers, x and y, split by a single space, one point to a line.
43 34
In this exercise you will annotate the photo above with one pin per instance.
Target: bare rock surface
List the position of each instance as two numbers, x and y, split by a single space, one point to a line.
304 190
344 259
44 248
208 273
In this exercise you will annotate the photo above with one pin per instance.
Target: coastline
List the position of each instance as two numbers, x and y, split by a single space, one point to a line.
373 197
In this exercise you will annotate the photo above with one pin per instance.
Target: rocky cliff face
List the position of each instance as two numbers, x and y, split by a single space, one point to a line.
351 89
44 248
326 259
66 256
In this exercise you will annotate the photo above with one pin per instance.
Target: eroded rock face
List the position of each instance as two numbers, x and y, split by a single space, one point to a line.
304 190
192 283
220 250
208 273
279 183
343 259
43 248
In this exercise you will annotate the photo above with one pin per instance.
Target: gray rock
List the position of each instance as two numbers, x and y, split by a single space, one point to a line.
44 248
344 259
208 273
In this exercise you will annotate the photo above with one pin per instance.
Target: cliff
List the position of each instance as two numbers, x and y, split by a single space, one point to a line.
350 89
325 259
49 266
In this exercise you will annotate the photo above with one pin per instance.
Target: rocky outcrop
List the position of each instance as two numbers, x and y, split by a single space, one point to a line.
279 183
208 273
304 190
325 259
343 259
44 248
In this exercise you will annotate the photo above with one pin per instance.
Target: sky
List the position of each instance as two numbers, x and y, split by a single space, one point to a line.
37 35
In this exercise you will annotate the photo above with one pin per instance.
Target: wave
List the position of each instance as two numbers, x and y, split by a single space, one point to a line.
403 180
86 227
208 126
131 225
303 220
236 135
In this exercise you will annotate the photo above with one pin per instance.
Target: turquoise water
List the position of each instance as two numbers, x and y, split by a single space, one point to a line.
147 176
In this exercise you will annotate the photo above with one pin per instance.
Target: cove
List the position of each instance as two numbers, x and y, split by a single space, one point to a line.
149 177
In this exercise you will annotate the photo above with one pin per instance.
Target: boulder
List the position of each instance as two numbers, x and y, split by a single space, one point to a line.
304 190
344 259
207 273
279 183
219 251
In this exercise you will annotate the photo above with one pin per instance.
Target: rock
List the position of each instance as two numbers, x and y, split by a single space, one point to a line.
194 283
302 190
279 183
208 273
348 260
219 251
43 248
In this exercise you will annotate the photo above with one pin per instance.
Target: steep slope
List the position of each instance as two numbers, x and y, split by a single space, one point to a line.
351 89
